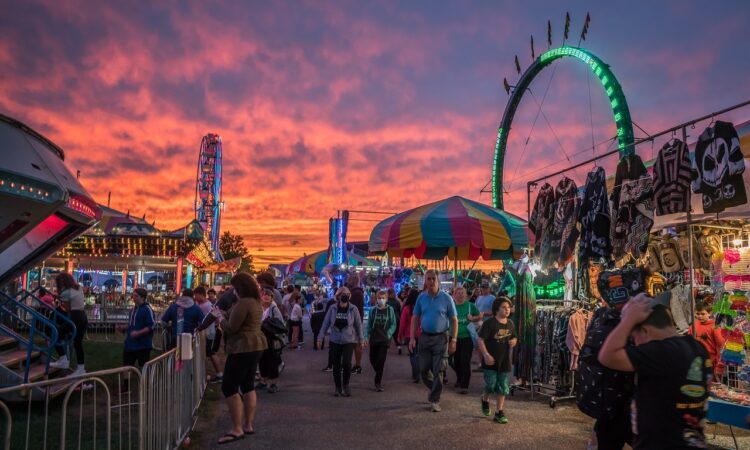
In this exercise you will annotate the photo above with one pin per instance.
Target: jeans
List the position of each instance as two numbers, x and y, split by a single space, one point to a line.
378 353
433 357
81 322
461 361
342 363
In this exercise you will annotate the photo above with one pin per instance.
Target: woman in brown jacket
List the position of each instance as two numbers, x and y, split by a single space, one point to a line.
244 344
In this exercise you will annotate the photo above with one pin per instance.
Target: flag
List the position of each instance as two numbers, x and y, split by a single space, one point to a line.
518 66
533 55
506 86
549 33
585 27
567 25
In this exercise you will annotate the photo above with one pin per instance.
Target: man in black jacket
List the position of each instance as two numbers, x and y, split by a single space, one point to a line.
358 300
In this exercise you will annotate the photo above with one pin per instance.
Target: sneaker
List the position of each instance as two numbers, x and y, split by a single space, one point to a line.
379 388
215 380
272 389
436 407
485 407
357 370
463 391
500 417
328 369
61 363
80 370
338 393
347 391
281 366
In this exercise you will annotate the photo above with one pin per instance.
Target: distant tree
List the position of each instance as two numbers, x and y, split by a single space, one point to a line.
232 246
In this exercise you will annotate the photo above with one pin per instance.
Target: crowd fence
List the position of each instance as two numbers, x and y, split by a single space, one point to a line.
123 408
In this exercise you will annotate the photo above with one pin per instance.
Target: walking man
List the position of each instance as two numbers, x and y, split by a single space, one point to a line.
435 314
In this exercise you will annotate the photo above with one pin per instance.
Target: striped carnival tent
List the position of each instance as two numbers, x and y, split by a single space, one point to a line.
456 227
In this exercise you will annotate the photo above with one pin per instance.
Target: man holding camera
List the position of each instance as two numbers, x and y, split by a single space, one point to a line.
672 373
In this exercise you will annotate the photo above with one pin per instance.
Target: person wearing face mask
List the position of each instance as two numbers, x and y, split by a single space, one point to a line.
345 325
381 326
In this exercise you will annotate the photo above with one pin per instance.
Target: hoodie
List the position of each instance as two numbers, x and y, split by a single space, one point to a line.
711 338
351 333
184 315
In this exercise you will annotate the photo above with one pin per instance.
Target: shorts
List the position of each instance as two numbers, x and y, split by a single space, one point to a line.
141 356
496 382
239 373
209 347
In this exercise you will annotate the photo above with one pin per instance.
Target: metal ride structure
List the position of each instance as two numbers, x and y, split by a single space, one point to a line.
609 83
208 191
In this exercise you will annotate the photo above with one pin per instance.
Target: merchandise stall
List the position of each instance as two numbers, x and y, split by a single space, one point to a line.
680 221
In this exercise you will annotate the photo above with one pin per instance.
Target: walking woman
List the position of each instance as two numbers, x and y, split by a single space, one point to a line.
244 344
404 333
381 325
345 323
270 361
468 315
71 299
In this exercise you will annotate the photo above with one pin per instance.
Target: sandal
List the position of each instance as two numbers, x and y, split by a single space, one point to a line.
233 437
248 433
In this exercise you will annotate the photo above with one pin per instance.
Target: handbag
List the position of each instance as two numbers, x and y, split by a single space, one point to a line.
473 333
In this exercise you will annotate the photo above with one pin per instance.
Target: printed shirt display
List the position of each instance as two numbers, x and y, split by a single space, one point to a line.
718 168
672 175
632 208
594 218
563 233
541 217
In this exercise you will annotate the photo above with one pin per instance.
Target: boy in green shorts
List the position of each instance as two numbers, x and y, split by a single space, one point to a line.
496 337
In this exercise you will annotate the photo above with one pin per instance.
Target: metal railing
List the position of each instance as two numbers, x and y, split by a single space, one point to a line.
95 410
41 334
57 318
155 409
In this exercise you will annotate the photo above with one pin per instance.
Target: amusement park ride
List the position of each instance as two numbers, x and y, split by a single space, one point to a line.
208 204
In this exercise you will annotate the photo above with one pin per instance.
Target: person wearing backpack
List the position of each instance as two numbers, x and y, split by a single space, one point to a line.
381 326
345 324
673 374
270 360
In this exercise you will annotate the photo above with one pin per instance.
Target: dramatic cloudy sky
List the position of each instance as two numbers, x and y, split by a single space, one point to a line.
345 104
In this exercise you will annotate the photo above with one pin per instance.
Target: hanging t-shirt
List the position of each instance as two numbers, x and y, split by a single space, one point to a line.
632 208
672 175
718 168
541 217
462 312
594 217
670 394
563 228
497 337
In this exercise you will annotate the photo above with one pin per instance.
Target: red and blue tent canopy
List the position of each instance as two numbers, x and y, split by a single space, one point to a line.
315 262
455 227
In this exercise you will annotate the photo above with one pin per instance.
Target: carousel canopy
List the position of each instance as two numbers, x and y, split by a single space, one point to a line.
455 227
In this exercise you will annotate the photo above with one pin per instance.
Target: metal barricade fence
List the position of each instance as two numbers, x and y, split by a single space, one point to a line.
121 408
95 410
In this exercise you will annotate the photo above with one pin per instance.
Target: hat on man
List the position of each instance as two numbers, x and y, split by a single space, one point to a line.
485 284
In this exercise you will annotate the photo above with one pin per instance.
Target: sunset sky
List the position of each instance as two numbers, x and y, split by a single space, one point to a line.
324 106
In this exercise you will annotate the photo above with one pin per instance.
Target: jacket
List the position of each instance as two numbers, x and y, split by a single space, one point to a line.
404 329
351 333
241 330
390 321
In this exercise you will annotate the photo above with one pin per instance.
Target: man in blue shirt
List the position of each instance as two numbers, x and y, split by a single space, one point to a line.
484 301
435 313
139 334
184 315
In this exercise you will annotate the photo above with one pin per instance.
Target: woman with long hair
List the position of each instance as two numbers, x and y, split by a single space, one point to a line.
72 302
244 344
345 323
404 333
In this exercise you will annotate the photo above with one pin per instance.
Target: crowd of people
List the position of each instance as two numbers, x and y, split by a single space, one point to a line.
636 337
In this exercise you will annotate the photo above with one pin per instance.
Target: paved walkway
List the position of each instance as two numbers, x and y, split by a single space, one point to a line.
304 414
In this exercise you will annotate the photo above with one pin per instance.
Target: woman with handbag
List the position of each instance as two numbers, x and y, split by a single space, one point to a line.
468 315
271 359
244 344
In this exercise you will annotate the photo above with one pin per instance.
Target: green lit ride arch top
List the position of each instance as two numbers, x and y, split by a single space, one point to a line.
609 83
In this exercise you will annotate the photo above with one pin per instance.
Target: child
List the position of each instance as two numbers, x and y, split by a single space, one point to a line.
295 319
707 334
316 321
496 337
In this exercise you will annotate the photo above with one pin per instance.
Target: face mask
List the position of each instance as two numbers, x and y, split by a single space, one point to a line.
382 302
343 298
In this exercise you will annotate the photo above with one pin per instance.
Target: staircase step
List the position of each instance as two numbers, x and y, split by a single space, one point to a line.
6 340
36 372
15 356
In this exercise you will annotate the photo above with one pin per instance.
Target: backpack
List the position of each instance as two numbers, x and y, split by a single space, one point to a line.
601 393
275 330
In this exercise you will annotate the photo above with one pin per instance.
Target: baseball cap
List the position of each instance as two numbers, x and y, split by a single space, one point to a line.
485 284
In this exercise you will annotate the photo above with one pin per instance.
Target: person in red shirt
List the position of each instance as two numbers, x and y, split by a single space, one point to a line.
707 334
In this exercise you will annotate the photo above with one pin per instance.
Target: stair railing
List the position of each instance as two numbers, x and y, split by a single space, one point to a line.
38 326
56 317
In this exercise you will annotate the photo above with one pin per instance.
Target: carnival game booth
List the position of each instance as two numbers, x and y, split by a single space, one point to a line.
677 223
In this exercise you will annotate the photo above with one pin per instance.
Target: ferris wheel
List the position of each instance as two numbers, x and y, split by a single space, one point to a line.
208 190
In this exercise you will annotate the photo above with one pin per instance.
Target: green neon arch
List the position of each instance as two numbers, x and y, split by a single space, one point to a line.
609 83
